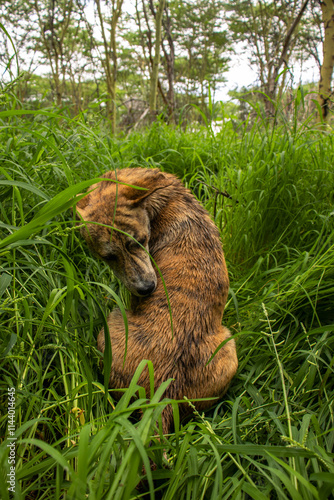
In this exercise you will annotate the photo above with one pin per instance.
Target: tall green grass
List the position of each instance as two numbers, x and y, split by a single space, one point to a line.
272 435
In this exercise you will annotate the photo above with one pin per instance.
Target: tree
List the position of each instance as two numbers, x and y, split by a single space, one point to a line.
51 34
10 11
270 30
168 57
202 46
192 49
156 60
326 71
145 40
275 67
54 22
110 54
310 34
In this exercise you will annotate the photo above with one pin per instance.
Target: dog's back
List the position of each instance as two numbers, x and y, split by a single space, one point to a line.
185 245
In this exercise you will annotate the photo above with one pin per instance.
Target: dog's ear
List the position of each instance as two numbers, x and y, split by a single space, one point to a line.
152 199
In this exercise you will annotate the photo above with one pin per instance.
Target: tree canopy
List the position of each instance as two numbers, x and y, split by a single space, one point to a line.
127 58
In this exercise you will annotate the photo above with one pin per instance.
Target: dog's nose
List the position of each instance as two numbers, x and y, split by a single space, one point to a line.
147 289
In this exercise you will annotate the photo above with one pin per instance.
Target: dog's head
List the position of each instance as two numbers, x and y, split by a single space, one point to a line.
116 226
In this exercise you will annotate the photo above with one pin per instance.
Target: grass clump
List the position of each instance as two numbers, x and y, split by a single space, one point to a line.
272 435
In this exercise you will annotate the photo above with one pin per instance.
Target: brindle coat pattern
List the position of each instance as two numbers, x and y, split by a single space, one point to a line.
167 221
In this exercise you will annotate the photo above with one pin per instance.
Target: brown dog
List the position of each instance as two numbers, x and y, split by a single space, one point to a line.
168 222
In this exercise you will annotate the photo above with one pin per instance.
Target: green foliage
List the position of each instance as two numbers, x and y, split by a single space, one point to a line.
272 435
202 45
274 33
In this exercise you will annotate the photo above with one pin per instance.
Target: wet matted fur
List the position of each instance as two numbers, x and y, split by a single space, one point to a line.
168 222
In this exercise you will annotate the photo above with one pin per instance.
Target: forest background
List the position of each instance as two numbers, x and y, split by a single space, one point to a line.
86 90
128 60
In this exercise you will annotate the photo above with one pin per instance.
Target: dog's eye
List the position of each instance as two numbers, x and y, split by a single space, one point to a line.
110 257
142 241
135 244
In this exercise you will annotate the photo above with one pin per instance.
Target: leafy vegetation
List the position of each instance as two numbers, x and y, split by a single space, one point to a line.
272 435
105 53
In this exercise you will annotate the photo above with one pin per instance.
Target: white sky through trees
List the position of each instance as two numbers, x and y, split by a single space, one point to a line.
240 73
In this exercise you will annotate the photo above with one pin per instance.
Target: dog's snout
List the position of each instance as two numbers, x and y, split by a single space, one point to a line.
147 288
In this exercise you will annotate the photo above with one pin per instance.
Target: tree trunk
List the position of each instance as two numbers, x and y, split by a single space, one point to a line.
274 69
115 17
149 44
170 61
325 91
170 65
110 63
156 60
53 42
